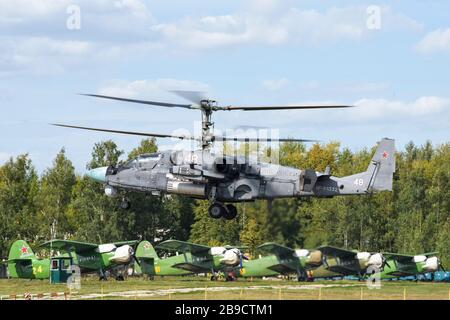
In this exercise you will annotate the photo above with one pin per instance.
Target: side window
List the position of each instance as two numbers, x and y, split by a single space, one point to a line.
65 264
54 264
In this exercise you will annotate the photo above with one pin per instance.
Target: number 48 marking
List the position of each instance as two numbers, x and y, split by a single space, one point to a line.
358 182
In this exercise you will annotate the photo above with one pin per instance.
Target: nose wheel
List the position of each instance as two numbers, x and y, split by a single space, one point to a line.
125 204
218 210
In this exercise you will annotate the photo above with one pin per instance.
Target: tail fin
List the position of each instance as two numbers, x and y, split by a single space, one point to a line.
20 250
146 257
382 166
146 250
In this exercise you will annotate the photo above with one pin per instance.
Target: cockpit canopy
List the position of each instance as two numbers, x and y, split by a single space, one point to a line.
146 160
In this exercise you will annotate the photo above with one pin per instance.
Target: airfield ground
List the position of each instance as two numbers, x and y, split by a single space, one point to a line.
201 288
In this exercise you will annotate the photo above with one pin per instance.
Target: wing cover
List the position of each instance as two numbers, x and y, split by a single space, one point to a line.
68 245
276 249
337 252
194 268
182 246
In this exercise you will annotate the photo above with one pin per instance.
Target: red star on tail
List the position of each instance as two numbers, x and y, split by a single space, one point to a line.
23 249
385 155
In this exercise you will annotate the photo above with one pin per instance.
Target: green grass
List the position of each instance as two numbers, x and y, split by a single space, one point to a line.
241 289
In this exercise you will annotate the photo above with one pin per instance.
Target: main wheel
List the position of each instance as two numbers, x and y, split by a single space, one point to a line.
216 211
125 204
231 212
120 278
229 278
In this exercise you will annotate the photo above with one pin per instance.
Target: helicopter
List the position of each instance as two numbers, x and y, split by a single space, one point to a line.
223 179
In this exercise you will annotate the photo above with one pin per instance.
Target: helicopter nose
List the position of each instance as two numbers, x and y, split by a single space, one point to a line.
97 174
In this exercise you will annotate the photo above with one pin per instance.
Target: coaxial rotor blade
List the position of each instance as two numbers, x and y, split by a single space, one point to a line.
145 134
193 96
153 103
239 139
260 108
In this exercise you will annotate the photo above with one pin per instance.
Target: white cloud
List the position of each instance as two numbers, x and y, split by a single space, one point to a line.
435 41
39 54
274 85
20 10
382 108
123 28
292 25
380 111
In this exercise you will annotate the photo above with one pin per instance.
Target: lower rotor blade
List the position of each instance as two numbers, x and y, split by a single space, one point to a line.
220 138
145 134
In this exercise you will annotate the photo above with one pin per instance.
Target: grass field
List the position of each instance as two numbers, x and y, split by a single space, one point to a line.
201 289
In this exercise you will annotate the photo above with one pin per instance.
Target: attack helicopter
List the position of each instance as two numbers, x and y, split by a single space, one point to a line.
223 179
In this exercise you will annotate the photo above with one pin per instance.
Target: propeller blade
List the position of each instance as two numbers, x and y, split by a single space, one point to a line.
259 108
157 135
153 103
192 96
221 138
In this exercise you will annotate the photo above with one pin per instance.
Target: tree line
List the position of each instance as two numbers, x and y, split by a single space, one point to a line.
59 203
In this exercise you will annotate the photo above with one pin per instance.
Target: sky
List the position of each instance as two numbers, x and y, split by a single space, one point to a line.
389 59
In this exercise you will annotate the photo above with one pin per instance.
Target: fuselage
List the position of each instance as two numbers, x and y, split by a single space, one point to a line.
200 174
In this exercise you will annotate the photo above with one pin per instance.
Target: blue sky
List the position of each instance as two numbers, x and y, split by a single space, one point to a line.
241 52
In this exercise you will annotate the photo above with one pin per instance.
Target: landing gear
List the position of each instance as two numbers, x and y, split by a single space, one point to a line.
231 212
229 278
214 276
120 278
125 204
218 210
102 275
301 276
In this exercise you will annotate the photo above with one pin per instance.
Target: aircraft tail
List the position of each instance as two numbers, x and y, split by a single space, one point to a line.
146 256
145 250
379 173
20 250
382 166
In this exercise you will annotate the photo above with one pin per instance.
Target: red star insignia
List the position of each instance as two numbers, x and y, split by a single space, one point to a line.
23 249
385 155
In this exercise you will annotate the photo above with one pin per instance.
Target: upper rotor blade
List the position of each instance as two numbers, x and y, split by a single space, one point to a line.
153 103
157 135
259 108
193 96
238 139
